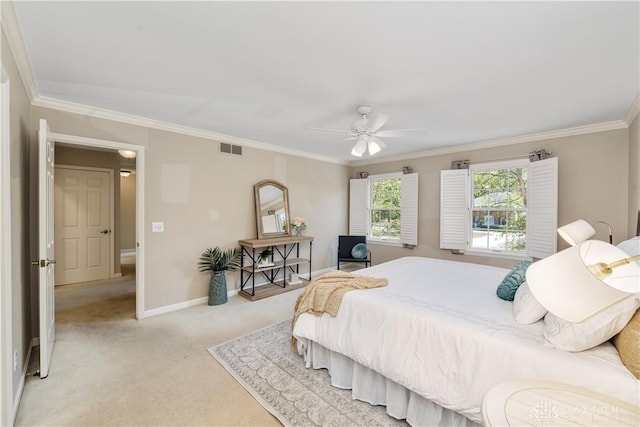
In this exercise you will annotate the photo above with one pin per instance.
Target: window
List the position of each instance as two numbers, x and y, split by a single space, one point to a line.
504 207
385 208
499 208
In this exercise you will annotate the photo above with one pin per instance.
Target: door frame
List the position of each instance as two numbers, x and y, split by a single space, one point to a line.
7 410
112 273
82 141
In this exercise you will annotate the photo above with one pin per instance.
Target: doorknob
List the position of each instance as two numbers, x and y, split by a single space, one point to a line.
43 262
105 231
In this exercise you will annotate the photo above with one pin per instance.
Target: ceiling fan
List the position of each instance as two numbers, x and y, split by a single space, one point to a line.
366 130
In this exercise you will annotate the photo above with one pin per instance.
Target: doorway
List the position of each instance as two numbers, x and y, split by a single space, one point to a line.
133 267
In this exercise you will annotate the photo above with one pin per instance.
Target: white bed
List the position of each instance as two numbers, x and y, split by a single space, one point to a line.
437 338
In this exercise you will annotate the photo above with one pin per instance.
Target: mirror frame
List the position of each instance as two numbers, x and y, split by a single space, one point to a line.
285 192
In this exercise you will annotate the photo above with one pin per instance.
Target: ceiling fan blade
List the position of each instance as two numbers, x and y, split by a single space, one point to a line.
378 141
390 133
376 121
349 139
345 132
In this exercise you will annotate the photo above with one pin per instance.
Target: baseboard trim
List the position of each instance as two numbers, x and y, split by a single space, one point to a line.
173 307
23 379
203 300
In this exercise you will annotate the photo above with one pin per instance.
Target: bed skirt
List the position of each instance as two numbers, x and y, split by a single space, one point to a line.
371 387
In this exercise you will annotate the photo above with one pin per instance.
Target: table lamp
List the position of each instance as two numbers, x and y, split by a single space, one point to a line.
584 279
579 231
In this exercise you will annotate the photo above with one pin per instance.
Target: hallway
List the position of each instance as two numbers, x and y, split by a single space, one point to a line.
100 300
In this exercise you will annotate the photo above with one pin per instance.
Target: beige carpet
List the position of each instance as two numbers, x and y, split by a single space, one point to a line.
110 369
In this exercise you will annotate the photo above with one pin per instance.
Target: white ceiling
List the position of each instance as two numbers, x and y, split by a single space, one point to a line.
263 71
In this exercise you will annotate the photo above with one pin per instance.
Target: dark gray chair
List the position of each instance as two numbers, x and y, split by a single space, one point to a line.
345 247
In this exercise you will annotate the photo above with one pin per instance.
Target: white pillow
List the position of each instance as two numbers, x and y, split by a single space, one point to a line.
592 331
526 308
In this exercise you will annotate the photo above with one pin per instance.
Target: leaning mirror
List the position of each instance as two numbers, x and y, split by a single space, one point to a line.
272 209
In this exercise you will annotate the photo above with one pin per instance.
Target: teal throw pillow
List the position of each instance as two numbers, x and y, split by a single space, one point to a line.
359 251
512 281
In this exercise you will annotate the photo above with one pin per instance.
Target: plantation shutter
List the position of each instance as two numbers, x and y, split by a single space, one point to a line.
409 209
359 207
454 201
542 212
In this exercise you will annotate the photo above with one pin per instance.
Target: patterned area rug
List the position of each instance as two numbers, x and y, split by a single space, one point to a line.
264 364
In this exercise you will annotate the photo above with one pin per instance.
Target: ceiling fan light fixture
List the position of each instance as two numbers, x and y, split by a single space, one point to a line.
366 130
373 148
361 145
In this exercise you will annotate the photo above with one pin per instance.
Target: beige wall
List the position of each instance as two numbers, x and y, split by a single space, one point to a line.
69 156
20 128
593 185
634 176
128 212
205 198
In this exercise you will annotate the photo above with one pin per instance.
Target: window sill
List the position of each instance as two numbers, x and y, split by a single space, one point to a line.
492 254
384 242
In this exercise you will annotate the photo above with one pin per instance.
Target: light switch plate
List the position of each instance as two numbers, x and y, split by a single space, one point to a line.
157 227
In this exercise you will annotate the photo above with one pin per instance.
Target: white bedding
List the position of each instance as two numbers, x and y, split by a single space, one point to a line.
439 330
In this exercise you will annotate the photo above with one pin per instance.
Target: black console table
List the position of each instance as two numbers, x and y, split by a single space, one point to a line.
285 259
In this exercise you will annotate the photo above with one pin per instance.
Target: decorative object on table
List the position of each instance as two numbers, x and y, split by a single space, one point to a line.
264 258
294 279
272 209
298 226
263 363
583 280
217 261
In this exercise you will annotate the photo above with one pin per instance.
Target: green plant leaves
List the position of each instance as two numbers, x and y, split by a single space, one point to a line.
217 259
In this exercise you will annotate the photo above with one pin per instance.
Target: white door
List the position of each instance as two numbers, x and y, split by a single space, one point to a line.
82 223
46 246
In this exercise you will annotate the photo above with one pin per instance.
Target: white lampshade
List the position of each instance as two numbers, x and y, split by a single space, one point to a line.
576 232
564 284
373 147
361 145
355 152
127 154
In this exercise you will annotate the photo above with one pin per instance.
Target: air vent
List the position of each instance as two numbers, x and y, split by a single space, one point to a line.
230 149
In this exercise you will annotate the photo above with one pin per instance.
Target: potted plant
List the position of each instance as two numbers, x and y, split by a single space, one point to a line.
264 258
217 261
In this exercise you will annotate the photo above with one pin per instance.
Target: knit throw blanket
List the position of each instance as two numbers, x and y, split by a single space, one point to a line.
324 294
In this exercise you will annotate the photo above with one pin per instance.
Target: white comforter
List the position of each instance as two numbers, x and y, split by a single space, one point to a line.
439 330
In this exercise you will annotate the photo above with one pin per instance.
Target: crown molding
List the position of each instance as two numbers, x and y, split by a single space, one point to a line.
542 136
85 110
633 110
13 33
